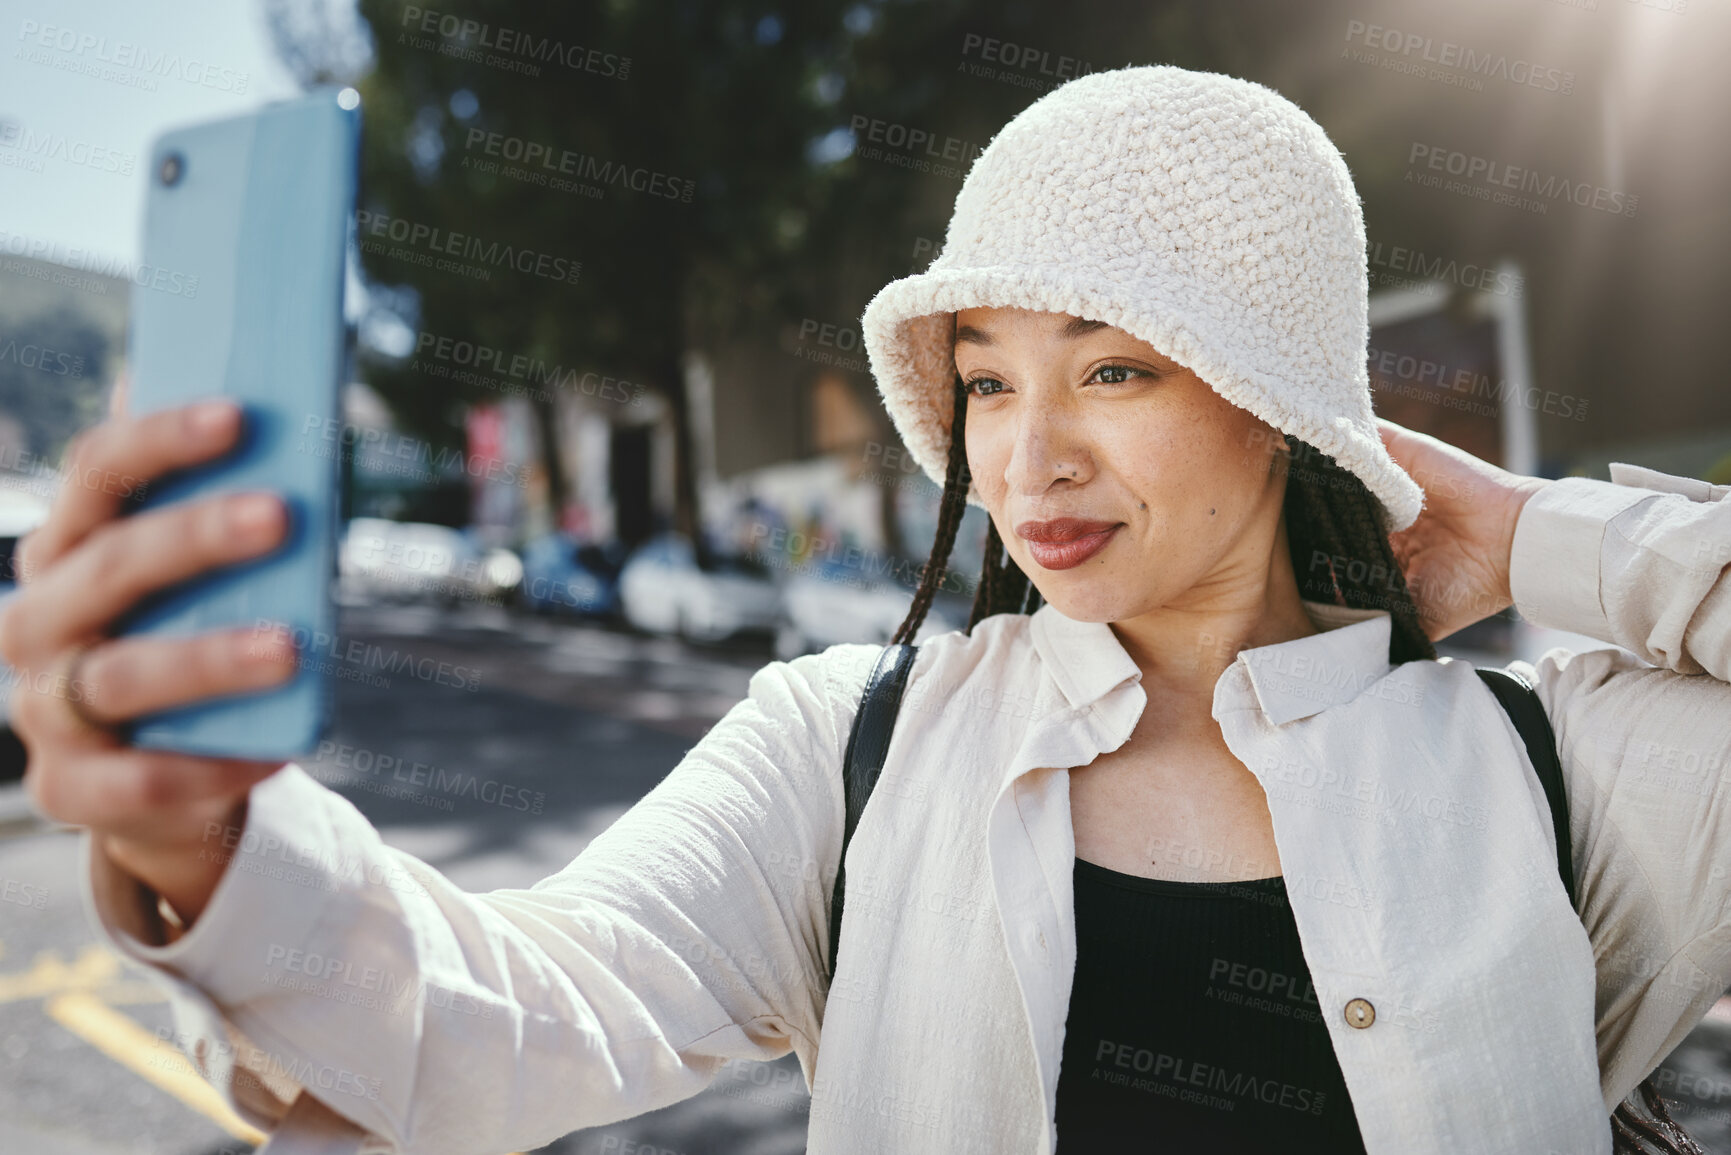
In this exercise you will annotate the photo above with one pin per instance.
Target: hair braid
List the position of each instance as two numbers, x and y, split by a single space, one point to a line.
1632 1134
992 565
951 507
1009 587
1340 552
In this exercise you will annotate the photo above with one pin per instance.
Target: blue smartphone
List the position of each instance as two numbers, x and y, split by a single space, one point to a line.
240 294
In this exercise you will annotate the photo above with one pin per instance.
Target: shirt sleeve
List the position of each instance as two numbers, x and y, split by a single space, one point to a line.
1644 736
690 932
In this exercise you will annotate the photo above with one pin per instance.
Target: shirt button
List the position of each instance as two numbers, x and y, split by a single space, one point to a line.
1360 1014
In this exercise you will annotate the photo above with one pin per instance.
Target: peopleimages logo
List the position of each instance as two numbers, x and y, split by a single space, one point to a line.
1387 260
1023 65
32 148
546 164
913 140
1486 179
252 1067
176 284
434 778
485 359
1449 55
386 451
85 52
508 48
23 894
434 241
41 358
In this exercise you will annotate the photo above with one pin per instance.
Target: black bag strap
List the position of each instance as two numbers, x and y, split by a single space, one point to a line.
1528 714
867 743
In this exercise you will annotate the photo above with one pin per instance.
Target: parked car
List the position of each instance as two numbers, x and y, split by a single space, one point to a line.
19 514
416 560
662 591
830 603
563 575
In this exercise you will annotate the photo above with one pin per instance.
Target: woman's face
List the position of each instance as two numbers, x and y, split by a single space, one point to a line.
1176 492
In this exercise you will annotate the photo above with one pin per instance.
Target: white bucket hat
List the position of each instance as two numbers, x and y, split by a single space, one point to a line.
1206 215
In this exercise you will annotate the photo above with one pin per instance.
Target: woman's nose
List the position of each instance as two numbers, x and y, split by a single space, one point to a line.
1047 448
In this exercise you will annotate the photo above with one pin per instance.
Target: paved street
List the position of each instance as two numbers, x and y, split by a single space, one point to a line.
590 718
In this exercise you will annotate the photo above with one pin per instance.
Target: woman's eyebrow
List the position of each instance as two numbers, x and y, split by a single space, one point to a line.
1080 327
1073 328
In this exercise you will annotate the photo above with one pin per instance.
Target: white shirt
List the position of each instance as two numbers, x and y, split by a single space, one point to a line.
1414 837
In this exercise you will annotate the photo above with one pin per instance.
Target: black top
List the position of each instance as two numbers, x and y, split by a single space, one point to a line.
1193 1025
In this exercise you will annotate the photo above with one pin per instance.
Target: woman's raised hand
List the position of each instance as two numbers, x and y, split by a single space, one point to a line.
79 572
1455 557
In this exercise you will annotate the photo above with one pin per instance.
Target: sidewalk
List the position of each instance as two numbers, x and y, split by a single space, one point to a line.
16 814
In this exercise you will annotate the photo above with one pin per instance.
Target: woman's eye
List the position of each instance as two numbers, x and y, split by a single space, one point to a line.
1126 370
1106 374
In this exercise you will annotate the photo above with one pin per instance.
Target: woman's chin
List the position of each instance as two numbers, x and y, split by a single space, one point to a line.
1084 599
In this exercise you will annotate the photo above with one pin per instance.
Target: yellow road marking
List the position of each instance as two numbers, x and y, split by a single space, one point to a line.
67 993
121 1038
95 966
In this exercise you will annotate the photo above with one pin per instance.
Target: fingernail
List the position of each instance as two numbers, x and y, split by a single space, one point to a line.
254 514
269 643
209 417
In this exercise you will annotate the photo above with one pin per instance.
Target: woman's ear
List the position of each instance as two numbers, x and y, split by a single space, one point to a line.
1265 438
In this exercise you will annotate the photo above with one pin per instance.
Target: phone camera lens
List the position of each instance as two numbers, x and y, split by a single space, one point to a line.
173 166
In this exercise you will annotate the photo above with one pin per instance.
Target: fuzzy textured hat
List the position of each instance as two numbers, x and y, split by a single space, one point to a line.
1206 215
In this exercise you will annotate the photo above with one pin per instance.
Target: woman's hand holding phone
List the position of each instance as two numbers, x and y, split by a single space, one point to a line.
79 572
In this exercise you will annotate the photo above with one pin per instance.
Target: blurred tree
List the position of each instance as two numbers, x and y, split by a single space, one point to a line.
691 120
741 114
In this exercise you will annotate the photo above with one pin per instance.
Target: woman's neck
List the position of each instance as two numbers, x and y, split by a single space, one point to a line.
1182 650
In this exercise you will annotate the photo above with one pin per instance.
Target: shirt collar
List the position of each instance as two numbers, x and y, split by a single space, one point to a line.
1291 679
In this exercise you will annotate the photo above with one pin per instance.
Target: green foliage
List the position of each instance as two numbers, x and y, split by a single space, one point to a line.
720 101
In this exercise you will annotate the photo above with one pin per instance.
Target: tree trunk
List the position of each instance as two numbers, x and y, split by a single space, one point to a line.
546 419
687 520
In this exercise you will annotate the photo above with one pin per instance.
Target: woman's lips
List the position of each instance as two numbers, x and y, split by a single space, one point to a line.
1066 541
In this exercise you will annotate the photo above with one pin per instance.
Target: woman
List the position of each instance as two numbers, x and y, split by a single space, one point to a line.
1142 351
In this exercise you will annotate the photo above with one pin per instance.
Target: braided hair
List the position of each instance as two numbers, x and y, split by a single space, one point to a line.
1340 555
